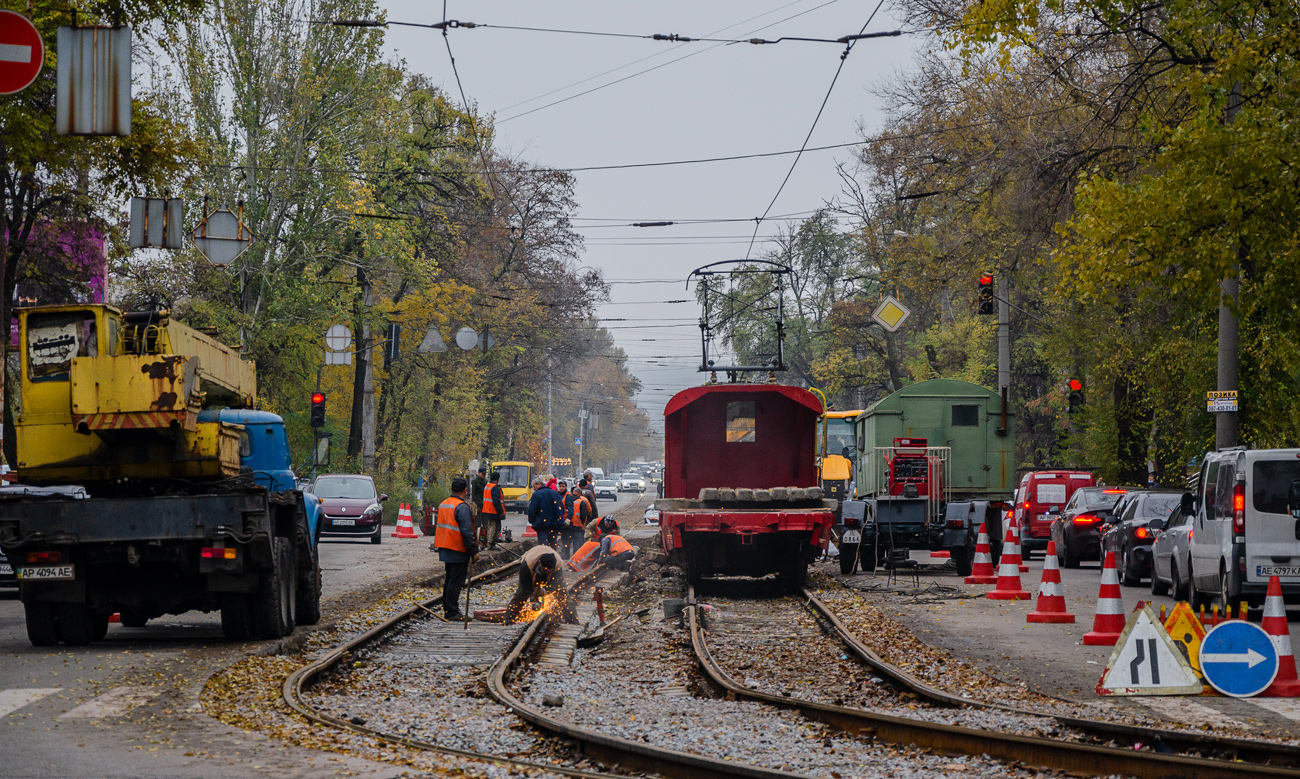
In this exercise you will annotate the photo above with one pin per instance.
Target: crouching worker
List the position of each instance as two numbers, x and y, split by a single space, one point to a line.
539 577
605 547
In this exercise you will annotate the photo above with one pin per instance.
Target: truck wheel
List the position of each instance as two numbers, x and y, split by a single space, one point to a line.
100 623
42 624
964 558
848 558
236 617
308 605
76 623
273 605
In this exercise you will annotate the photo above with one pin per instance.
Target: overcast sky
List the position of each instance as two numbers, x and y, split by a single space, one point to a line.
656 101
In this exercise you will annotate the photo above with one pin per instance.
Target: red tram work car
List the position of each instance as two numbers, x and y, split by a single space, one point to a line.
741 494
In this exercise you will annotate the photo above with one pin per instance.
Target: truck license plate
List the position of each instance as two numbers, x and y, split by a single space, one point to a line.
46 572
1277 570
851 537
344 522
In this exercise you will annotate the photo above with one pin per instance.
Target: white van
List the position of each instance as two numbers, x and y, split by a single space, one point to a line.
1245 525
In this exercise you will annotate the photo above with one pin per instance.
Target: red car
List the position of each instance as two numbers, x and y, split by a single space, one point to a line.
350 506
1039 493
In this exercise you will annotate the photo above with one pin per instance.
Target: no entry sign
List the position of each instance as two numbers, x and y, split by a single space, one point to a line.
21 52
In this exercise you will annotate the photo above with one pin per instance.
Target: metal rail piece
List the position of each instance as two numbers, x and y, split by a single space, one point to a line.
1040 752
1233 747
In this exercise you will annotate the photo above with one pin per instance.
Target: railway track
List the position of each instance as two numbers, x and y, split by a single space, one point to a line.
1265 760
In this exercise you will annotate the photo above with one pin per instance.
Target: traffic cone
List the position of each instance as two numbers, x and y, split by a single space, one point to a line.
981 571
116 618
1051 597
529 532
405 527
940 554
1015 530
1009 587
1109 621
1285 684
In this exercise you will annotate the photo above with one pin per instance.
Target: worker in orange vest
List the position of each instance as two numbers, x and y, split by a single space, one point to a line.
494 509
540 575
615 550
454 539
577 512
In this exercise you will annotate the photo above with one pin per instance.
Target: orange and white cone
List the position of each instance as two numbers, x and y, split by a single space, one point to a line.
981 570
1051 596
1108 623
1015 530
529 532
1285 684
405 527
1009 587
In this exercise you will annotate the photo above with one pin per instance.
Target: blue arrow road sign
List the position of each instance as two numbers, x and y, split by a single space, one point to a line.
1238 659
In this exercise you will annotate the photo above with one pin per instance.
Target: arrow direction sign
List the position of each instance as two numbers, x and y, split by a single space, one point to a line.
1250 657
1238 658
22 52
222 237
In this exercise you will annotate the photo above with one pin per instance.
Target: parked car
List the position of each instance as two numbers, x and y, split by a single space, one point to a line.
631 482
1131 528
1076 529
651 515
351 506
1171 555
1038 494
1244 525
606 488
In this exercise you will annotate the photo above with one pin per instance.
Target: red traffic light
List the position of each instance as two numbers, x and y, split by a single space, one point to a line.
318 398
986 279
1075 385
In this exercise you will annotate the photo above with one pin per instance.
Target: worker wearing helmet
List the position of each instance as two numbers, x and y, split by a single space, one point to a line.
540 576
615 551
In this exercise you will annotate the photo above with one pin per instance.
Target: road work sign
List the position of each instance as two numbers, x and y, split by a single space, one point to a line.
1186 631
1238 658
1146 662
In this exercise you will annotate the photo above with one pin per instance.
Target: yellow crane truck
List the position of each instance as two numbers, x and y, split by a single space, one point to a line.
187 499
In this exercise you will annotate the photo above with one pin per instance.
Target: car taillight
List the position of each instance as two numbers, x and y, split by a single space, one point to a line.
851 522
44 557
1086 519
218 553
1142 533
957 523
1239 510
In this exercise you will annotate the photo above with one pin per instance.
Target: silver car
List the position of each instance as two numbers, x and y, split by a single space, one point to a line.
1171 556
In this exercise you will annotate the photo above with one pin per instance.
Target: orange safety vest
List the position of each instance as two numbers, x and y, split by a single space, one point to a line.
574 508
447 534
585 557
618 544
489 505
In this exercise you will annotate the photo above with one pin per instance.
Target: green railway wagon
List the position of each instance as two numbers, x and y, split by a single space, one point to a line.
964 417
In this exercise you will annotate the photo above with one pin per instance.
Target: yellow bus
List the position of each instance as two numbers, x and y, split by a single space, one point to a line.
516 483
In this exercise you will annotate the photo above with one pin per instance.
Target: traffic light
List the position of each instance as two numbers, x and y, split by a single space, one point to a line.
1076 395
318 409
987 304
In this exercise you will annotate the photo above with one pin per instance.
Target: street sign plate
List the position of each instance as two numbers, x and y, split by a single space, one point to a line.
1146 662
338 337
1238 658
432 341
222 237
466 338
1186 631
93 96
22 52
156 222
891 314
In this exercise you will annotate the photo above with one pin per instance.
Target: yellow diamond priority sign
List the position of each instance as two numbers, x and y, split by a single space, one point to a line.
890 314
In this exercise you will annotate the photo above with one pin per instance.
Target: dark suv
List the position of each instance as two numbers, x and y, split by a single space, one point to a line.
350 506
1076 529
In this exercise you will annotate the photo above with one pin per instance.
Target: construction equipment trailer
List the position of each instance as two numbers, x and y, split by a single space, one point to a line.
189 499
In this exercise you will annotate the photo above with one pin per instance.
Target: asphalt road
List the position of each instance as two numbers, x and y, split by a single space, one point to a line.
129 706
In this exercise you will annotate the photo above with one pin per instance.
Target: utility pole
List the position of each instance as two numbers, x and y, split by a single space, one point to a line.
550 425
1225 422
582 435
1004 338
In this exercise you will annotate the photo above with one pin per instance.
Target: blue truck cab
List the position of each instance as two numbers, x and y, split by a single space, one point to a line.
264 452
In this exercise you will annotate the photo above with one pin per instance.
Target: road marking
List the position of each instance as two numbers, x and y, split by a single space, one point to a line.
113 703
1180 709
10 52
12 700
1287 707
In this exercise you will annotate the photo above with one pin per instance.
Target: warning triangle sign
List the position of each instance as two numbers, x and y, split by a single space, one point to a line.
1186 632
1146 662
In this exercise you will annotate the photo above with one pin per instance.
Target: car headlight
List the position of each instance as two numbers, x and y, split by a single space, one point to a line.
373 511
